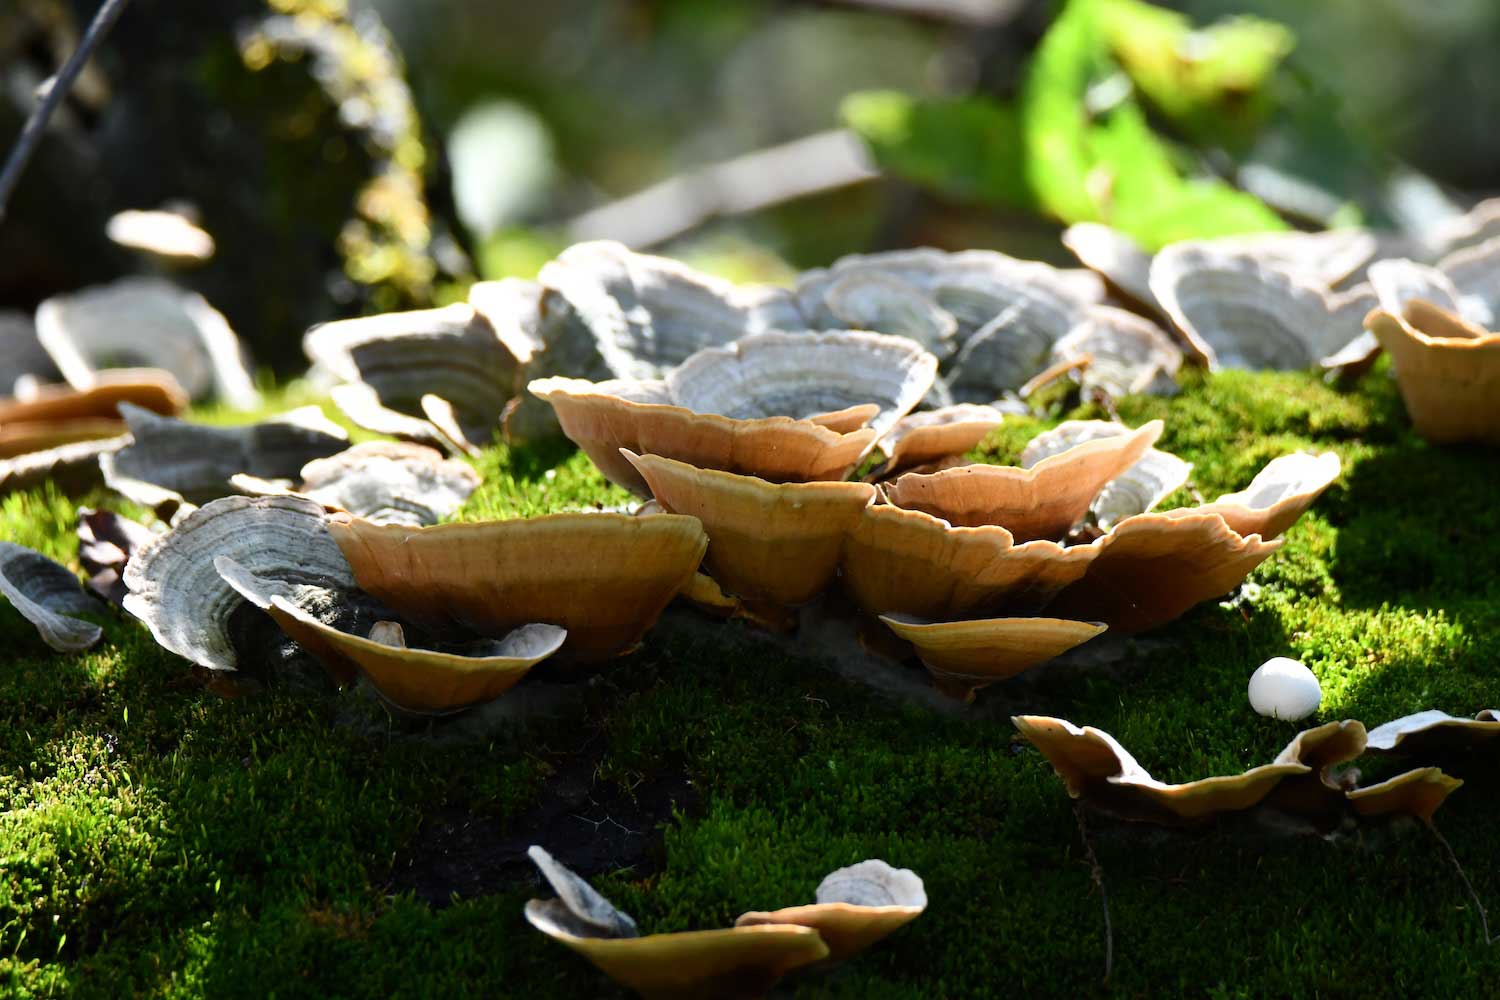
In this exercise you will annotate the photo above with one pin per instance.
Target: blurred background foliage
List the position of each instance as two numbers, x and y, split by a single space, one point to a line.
378 154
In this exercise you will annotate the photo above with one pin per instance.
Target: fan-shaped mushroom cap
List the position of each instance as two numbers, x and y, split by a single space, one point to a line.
177 592
776 542
384 481
964 656
885 304
172 461
1278 495
1449 377
22 359
1137 490
857 906
513 307
361 404
1042 501
1475 275
146 322
601 418
28 437
1152 568
149 388
1398 281
907 562
106 543
1126 353
1327 258
802 375
737 962
170 236
603 577
1434 732
1095 767
1480 223
1116 257
47 594
933 435
72 468
1239 311
452 353
417 680
1415 793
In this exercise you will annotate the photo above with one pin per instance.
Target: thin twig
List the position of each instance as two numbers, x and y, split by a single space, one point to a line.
36 125
1096 871
1484 920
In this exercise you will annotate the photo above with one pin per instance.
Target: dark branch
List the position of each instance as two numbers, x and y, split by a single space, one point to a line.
56 89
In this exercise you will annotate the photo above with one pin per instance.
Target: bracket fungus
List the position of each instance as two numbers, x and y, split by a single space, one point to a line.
106 543
733 962
773 542
170 463
1154 476
920 439
421 681
856 907
1116 258
605 577
1435 732
176 590
964 656
23 360
1416 793
146 322
452 353
1236 309
1448 372
1279 494
48 595
1125 354
1043 500
388 482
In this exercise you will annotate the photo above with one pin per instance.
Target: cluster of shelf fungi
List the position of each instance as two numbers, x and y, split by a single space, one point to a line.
782 444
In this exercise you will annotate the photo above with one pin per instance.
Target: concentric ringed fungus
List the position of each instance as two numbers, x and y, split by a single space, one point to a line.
48 595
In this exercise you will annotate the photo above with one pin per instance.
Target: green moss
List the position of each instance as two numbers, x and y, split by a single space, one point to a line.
156 838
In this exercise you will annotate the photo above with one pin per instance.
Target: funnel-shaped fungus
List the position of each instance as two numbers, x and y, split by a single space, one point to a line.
964 656
1277 496
1448 373
177 592
382 481
1042 501
146 323
736 963
452 353
1238 310
774 542
933 435
1095 768
170 462
1136 490
1151 568
416 680
604 577
1415 793
856 907
47 594
906 562
1434 732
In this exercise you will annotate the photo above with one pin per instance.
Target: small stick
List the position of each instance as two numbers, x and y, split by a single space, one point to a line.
1484 920
1096 872
36 125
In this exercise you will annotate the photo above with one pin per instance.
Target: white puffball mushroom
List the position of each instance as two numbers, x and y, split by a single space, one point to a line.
1283 688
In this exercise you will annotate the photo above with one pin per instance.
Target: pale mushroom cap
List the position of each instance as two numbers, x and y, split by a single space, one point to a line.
1283 688
1277 496
767 542
601 419
1042 501
1152 568
1240 311
22 358
1475 274
390 481
1140 488
151 323
176 590
964 656
932 435
1434 730
886 304
47 594
71 468
905 561
1127 353
513 307
857 906
169 235
361 405
1416 793
1450 383
603 577
801 375
1118 258
1327 258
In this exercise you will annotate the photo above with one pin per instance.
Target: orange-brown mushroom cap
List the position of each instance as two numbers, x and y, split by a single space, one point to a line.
1152 568
149 388
857 906
604 577
1278 495
29 436
933 435
1415 793
1448 372
777 542
964 656
1043 501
